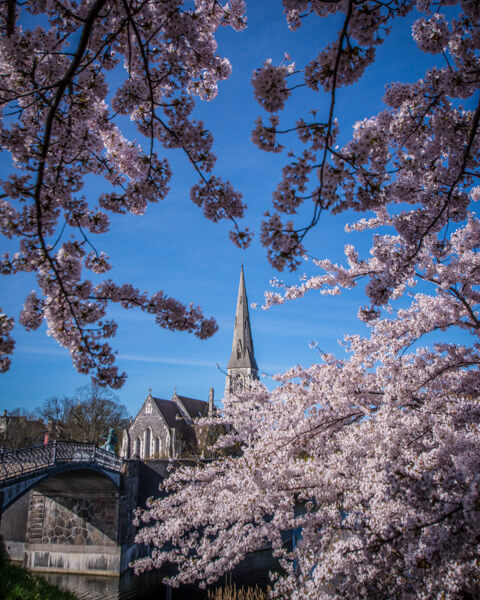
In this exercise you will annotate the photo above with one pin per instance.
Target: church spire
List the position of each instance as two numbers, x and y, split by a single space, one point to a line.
242 366
242 347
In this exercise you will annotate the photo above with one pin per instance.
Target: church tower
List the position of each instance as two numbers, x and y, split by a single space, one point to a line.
242 368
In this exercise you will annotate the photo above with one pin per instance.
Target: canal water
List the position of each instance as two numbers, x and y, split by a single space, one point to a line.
128 587
251 572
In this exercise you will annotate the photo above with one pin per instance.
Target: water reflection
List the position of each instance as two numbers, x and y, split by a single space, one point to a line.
252 571
127 587
86 586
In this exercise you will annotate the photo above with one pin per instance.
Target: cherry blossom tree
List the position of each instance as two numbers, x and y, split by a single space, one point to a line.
373 457
59 61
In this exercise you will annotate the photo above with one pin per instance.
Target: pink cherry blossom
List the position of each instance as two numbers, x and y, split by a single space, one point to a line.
373 456
432 35
270 86
61 128
7 344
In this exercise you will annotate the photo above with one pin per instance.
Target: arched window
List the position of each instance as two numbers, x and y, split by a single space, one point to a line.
157 447
167 449
238 384
148 442
138 447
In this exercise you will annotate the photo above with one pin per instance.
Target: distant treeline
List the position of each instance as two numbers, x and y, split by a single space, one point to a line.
86 416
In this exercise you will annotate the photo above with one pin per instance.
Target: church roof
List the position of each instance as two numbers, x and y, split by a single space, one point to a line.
242 347
193 407
169 411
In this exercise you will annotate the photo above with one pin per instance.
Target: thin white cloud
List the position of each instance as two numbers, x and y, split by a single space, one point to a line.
41 350
167 360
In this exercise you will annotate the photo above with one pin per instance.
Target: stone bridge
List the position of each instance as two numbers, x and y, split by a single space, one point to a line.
69 506
21 470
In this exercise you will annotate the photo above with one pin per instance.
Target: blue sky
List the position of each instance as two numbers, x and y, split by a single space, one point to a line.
175 249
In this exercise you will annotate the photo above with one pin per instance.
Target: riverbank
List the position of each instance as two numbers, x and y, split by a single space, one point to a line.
18 584
246 582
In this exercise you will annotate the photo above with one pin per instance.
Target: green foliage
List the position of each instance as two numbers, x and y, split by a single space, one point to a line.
18 584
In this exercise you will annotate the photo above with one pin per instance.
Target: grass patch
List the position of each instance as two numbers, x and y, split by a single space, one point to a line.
18 584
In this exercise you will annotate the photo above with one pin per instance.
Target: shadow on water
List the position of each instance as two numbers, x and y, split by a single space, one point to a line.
251 572
128 587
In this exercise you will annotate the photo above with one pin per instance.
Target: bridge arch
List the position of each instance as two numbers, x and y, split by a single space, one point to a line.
21 470
13 492
74 507
62 507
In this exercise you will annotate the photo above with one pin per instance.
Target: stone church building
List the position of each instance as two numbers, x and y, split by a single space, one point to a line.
167 428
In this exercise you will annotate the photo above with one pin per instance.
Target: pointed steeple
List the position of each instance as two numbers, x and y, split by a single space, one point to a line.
242 347
242 365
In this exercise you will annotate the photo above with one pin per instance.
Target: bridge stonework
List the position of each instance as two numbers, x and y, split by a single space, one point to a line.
80 520
72 524
72 519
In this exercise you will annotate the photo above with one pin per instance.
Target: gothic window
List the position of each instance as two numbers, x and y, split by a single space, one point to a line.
238 384
138 447
148 409
157 447
168 446
239 349
148 441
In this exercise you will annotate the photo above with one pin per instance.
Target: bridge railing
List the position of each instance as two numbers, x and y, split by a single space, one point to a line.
17 463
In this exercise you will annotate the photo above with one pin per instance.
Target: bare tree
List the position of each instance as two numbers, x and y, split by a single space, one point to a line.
86 416
57 412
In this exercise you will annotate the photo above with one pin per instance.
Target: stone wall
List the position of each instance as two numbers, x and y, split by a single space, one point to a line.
129 501
80 522
13 524
13 528
80 519
88 560
73 524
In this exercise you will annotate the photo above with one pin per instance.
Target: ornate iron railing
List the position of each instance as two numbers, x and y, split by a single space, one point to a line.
25 461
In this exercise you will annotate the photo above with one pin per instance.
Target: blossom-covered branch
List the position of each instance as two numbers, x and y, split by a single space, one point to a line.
59 128
422 146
